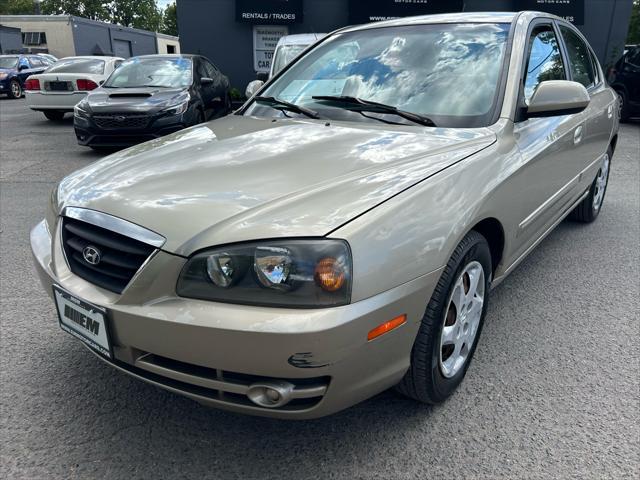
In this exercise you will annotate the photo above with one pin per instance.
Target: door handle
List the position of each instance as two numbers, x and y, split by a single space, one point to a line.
577 135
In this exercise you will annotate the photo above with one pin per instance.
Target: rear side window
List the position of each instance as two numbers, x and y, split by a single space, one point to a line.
78 65
36 62
544 62
633 57
579 59
24 62
211 70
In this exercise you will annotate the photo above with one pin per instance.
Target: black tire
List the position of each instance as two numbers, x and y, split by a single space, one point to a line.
424 381
15 89
587 211
199 117
54 115
625 114
100 149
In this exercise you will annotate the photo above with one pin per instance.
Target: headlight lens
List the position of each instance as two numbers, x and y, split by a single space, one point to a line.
178 109
3 75
288 273
82 108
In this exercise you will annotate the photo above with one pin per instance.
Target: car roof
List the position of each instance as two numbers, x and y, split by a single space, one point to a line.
301 39
465 17
91 57
167 55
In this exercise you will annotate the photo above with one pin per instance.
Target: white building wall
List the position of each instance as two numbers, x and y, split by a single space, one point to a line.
166 40
58 31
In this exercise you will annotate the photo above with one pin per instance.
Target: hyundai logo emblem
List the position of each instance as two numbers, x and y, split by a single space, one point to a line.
120 118
91 255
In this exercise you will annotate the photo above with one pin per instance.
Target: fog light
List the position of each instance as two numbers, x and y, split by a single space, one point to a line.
270 394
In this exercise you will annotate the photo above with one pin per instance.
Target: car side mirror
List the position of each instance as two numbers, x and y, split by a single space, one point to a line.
22 67
558 97
253 87
206 81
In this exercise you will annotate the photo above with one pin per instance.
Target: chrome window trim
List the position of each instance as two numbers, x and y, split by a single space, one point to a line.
115 224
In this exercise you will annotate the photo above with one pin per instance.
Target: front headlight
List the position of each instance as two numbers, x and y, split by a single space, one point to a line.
82 108
178 109
3 75
285 273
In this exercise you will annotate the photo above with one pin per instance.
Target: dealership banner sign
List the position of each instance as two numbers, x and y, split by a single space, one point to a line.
265 40
375 10
272 12
570 10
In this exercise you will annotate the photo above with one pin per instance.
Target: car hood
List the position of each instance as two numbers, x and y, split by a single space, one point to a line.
146 99
7 70
241 178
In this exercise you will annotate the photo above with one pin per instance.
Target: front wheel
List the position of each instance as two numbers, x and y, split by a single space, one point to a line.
451 325
589 209
15 89
54 115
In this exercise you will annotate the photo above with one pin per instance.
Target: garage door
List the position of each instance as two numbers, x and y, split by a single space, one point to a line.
121 48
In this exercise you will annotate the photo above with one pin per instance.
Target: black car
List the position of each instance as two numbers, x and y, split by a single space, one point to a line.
624 77
14 70
150 96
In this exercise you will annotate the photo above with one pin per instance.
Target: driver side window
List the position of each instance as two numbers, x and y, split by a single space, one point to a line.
544 62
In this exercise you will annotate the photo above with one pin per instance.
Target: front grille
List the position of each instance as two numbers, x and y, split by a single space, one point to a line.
119 257
121 120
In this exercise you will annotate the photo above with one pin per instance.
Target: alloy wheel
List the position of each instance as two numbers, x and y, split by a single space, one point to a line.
16 90
462 319
601 183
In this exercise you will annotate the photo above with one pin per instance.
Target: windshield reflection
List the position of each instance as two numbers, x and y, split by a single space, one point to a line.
447 72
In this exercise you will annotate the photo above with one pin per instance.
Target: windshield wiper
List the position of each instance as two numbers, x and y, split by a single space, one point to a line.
358 104
284 105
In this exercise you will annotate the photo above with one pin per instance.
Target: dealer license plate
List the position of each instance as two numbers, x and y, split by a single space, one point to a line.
83 320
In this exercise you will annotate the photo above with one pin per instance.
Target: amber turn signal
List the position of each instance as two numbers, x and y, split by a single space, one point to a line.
386 327
329 274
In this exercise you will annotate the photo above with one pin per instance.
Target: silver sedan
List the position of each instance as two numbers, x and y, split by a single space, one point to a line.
341 233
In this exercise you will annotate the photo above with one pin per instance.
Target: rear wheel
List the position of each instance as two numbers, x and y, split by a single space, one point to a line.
15 89
624 106
451 325
589 209
54 115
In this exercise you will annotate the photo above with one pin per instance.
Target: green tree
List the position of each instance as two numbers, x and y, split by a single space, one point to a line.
93 9
633 36
170 20
16 7
143 14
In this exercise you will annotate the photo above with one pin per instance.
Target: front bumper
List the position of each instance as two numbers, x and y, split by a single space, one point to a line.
62 101
89 134
5 85
211 352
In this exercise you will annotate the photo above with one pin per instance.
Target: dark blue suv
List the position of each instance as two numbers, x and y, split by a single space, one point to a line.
14 70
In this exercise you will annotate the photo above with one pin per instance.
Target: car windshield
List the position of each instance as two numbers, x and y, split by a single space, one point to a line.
8 62
284 54
447 72
78 65
151 72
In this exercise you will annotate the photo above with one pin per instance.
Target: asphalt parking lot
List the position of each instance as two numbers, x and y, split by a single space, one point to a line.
552 392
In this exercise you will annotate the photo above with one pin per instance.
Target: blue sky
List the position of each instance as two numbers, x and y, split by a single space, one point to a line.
163 3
